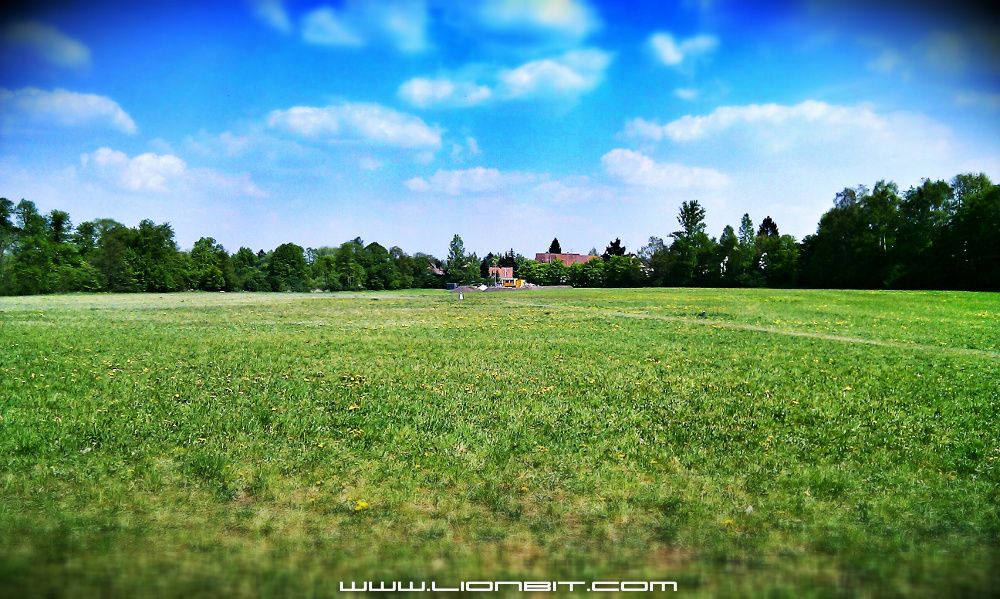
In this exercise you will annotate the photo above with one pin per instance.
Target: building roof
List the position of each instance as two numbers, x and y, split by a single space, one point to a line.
566 259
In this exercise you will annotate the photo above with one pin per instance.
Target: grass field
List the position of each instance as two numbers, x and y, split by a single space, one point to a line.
787 443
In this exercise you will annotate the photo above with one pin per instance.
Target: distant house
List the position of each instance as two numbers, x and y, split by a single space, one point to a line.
566 259
502 272
505 276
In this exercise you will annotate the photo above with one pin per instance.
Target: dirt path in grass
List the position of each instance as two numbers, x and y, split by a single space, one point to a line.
961 351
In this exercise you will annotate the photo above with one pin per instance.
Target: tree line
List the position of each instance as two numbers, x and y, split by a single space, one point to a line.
44 253
937 235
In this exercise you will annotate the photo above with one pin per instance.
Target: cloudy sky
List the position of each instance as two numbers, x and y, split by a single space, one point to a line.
506 121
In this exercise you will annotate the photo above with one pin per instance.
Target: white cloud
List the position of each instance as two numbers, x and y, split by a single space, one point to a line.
571 18
810 115
273 14
160 173
358 121
401 23
441 91
673 52
563 76
469 181
637 169
46 42
570 74
63 108
145 172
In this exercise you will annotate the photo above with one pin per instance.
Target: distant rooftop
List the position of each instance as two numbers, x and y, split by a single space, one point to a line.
566 259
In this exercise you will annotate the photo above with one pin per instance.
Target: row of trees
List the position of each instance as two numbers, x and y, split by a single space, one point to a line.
938 235
44 253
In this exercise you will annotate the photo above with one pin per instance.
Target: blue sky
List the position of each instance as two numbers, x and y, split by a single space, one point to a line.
506 121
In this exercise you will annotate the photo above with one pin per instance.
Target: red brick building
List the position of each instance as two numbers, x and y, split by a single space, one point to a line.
566 259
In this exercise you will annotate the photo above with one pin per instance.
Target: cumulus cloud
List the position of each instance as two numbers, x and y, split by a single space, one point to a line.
637 169
357 121
401 23
571 18
47 43
63 108
441 91
810 115
273 14
565 76
468 181
568 75
159 173
145 172
674 52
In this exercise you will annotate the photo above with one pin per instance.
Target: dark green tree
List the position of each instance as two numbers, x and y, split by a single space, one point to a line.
554 273
970 239
768 228
727 257
286 269
615 248
623 271
461 268
350 258
918 261
380 268
692 253
8 235
213 268
248 270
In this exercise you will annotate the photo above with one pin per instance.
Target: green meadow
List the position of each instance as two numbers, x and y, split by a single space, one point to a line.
738 442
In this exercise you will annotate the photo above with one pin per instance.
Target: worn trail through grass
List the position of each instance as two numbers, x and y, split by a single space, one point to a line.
770 329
